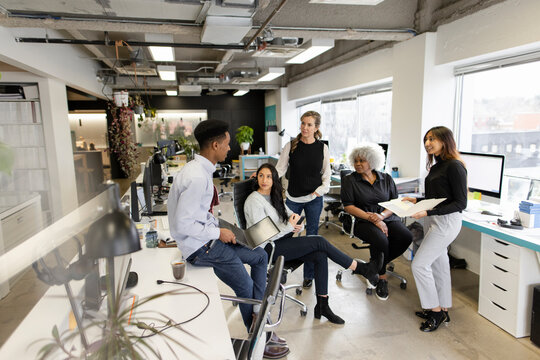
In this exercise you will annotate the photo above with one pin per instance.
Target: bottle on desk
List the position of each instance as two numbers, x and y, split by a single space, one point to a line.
395 172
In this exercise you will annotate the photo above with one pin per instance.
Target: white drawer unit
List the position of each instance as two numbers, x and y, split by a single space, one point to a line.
508 274
20 219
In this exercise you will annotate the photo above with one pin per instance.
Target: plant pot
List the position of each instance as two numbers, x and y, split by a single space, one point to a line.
244 146
121 98
138 109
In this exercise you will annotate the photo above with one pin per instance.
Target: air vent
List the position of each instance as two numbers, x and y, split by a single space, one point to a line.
189 90
139 71
278 52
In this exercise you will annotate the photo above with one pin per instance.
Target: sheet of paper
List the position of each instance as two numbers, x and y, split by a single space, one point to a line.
406 208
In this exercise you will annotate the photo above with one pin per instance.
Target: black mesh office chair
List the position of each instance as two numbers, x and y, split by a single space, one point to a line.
253 347
241 191
333 204
347 226
225 177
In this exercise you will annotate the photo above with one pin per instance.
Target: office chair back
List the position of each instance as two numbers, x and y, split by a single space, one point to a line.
241 191
247 349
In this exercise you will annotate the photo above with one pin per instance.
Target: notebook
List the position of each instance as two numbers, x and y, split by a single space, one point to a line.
256 235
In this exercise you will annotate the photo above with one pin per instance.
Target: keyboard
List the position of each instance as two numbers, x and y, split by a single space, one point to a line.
165 222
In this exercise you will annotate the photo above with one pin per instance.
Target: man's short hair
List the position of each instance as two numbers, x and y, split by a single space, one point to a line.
209 131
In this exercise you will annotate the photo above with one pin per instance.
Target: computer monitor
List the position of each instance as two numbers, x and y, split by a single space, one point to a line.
147 186
484 173
168 147
385 149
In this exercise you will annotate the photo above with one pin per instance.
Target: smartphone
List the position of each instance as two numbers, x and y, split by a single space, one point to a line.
300 220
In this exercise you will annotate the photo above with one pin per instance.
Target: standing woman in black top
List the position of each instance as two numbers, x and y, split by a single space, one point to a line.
447 178
308 162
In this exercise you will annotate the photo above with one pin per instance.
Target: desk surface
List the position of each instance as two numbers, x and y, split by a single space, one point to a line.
208 336
528 238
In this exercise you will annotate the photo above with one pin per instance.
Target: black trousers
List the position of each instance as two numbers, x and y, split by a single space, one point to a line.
398 240
315 249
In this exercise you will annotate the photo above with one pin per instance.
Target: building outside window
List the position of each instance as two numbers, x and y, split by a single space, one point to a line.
351 119
500 113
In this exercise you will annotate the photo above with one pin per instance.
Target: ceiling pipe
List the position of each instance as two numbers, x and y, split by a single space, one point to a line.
276 10
131 43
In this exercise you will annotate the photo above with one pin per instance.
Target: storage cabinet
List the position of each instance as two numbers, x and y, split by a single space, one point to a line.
508 274
20 218
250 164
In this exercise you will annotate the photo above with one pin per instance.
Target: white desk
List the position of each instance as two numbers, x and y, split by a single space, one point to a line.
209 339
509 269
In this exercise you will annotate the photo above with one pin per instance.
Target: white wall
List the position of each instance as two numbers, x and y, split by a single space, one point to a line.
92 127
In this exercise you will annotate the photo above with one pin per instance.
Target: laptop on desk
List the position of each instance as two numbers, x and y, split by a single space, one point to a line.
256 235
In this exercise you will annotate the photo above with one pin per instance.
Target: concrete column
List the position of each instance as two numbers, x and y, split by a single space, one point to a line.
423 97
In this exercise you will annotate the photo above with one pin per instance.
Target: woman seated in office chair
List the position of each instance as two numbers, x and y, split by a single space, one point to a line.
361 191
267 200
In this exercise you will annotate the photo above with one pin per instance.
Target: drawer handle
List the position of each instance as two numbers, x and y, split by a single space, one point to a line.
498 268
499 255
501 242
494 303
20 219
498 287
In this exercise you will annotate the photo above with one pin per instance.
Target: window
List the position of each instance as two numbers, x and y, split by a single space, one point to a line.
353 118
500 112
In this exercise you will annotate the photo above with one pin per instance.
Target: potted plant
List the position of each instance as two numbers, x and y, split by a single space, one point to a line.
137 105
244 137
121 142
188 144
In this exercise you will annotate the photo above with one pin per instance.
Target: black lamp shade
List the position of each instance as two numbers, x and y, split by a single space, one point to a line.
158 157
114 234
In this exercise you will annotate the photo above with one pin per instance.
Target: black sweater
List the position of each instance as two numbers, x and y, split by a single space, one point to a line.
447 179
305 166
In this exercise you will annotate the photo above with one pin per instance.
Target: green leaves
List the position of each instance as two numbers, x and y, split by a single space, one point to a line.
244 134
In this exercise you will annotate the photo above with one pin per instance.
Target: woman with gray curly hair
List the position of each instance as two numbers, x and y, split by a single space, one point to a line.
361 193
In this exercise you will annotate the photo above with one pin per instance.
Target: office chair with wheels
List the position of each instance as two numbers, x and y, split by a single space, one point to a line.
241 191
225 177
347 221
253 347
333 204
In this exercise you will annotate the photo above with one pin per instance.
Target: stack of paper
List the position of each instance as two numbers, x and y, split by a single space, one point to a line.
407 208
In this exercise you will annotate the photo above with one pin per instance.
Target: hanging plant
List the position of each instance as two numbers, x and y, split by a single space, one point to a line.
120 138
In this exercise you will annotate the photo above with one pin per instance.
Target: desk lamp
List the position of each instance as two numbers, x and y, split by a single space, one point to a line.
113 235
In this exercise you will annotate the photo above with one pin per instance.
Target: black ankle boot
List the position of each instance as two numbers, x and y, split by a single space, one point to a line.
322 308
370 270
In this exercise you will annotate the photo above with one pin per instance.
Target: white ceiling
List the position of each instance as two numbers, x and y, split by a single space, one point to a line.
357 30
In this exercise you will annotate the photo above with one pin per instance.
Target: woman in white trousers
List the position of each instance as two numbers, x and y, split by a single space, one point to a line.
447 178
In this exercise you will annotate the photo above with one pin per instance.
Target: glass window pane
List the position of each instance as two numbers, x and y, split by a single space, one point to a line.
501 114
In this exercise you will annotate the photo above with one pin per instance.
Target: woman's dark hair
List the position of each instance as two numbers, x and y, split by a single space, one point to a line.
276 193
449 149
318 134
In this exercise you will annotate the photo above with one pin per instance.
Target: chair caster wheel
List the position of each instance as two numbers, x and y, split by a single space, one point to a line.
338 276
298 291
390 268
303 313
342 232
234 303
403 286
369 291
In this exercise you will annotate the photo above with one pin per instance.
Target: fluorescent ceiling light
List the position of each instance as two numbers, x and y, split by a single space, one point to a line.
347 2
314 48
167 72
162 53
240 92
272 73
171 92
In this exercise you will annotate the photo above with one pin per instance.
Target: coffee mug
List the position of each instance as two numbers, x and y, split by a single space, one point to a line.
178 268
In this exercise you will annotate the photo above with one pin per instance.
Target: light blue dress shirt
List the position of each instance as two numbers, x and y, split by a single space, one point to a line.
190 222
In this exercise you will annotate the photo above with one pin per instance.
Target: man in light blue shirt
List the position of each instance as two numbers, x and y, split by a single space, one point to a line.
197 231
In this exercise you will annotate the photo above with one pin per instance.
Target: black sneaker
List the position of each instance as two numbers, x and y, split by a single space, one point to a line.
307 283
382 289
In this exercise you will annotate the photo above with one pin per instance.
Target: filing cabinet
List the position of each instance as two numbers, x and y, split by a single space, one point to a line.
508 274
